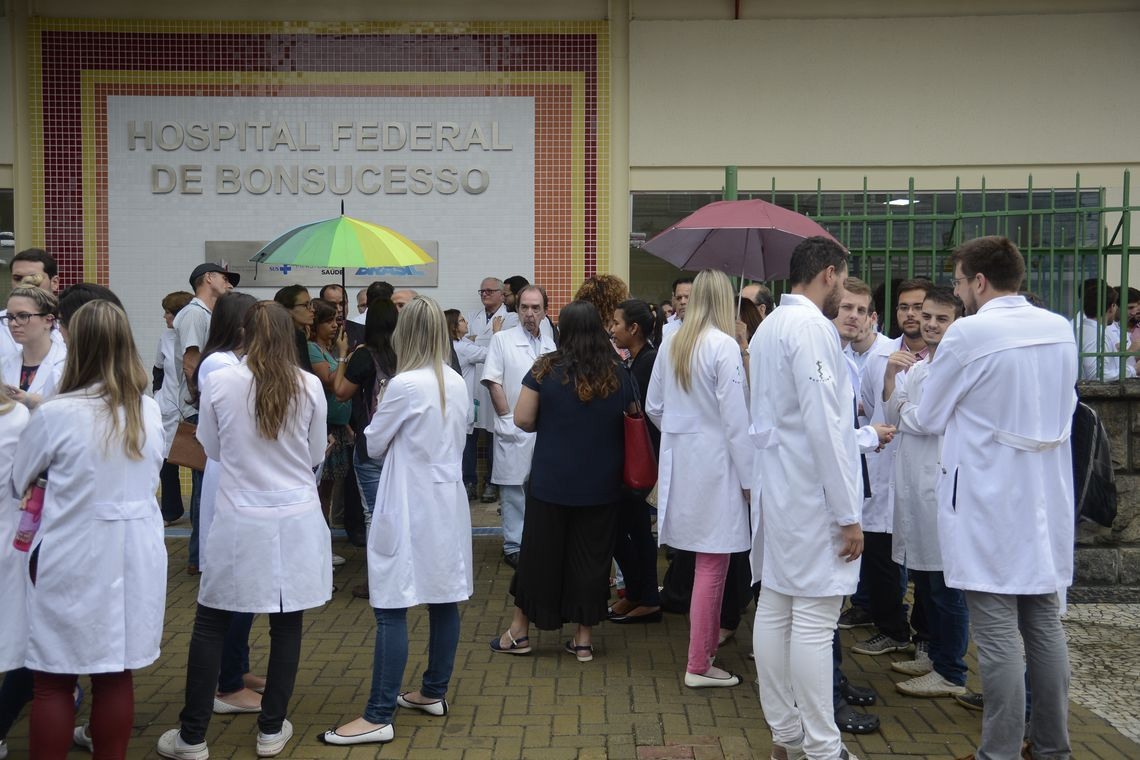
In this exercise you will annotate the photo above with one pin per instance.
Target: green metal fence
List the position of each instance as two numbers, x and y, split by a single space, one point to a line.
1067 234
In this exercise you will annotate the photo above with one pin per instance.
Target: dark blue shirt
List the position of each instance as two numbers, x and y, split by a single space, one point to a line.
579 451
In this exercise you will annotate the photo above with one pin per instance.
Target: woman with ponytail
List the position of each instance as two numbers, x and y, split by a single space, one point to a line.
269 550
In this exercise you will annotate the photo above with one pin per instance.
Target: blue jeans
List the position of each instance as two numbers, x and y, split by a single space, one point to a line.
195 507
367 478
235 653
948 624
512 500
391 656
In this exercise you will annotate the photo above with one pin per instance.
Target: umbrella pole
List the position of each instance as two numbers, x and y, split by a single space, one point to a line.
344 289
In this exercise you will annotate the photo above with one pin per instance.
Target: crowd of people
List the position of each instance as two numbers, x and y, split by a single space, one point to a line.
803 457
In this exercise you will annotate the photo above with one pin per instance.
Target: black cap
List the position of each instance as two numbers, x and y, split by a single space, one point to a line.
210 266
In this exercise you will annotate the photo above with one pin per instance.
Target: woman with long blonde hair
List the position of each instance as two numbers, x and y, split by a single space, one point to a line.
96 572
697 399
269 550
419 545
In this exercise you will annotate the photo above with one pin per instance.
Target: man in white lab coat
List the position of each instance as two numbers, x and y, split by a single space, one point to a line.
1097 330
1002 389
482 324
806 533
682 287
510 356
938 668
881 580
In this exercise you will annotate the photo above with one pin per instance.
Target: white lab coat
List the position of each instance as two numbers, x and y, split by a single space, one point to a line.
481 327
100 593
470 356
1085 330
807 482
8 344
13 564
1001 386
46 381
213 472
510 357
706 456
167 395
269 548
419 545
914 490
878 509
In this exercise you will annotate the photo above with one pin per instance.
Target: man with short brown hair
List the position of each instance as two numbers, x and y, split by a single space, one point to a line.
1002 391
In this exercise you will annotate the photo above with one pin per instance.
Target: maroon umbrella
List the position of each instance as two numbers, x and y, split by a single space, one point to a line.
752 239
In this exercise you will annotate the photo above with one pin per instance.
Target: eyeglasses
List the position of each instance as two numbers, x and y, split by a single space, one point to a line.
955 280
488 291
306 305
22 317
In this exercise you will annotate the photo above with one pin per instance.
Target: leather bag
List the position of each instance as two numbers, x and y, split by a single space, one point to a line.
186 451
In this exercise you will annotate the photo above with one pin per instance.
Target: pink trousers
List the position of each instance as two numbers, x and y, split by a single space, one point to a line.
704 610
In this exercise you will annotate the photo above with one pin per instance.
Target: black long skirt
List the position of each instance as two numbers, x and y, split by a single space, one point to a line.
564 563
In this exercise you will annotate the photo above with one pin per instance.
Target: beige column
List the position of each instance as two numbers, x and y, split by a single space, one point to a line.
619 138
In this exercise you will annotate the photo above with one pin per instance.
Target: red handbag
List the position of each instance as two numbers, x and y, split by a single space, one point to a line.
640 470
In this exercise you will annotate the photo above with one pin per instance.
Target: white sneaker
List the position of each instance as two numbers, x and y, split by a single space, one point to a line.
270 745
170 745
920 665
82 737
337 560
930 685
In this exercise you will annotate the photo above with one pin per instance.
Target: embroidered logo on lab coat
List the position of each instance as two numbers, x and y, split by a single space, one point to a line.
820 376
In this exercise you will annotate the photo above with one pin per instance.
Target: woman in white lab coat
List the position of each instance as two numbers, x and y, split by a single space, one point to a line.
96 576
269 548
470 354
14 632
223 349
33 374
697 399
419 545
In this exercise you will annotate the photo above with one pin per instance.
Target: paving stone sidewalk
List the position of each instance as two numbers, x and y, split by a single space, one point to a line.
628 703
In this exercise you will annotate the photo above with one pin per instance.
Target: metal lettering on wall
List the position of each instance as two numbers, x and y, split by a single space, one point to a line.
237 254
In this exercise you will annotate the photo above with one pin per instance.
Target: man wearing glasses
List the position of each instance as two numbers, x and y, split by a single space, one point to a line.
482 324
881 580
210 282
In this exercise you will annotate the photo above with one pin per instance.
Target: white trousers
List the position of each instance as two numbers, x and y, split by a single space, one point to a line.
792 638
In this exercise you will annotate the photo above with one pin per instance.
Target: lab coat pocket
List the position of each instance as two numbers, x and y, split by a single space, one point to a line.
384 533
446 472
125 510
680 424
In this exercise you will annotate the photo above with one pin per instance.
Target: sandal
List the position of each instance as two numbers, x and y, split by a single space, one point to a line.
858 696
520 645
852 721
584 652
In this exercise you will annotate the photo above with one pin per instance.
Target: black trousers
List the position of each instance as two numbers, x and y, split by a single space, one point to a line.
353 509
15 692
172 507
205 660
564 564
882 577
636 551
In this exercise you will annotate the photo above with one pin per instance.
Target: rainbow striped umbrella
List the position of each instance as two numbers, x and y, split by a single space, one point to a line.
342 242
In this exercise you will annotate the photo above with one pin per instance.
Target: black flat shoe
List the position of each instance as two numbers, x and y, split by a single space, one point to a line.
857 695
852 721
651 617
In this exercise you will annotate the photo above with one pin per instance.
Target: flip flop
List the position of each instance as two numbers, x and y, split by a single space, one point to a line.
520 645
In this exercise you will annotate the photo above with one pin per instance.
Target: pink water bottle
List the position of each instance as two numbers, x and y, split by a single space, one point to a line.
30 517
